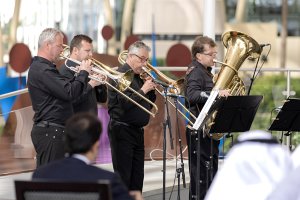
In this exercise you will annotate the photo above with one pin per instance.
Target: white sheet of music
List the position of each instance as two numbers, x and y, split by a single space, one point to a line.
201 117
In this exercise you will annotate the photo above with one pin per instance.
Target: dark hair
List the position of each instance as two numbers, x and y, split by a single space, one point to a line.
76 41
198 45
82 131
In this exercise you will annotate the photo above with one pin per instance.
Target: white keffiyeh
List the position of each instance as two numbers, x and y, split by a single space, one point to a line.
251 168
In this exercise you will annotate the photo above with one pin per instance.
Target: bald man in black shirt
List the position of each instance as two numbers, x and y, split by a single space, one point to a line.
51 96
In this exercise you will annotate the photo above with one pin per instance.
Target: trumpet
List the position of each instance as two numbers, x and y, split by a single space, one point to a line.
123 80
175 89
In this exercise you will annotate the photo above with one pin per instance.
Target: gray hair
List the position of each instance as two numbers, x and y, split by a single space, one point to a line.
48 35
135 47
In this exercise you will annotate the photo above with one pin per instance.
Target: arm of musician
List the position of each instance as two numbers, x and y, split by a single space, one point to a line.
101 93
86 92
195 93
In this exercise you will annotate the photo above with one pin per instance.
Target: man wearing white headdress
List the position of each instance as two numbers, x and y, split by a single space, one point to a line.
296 157
251 169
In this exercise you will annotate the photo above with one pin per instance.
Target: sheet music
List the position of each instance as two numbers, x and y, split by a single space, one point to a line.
201 117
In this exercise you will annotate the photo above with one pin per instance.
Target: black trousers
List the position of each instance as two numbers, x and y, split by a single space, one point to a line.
208 166
128 152
48 143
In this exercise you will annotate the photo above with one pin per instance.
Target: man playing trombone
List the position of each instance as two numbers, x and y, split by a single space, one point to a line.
81 48
51 96
127 120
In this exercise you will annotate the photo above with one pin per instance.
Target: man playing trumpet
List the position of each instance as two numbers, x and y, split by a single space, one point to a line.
81 48
51 96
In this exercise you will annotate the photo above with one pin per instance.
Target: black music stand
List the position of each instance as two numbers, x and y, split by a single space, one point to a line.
235 114
288 118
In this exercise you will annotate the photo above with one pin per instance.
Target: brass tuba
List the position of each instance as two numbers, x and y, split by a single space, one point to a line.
239 47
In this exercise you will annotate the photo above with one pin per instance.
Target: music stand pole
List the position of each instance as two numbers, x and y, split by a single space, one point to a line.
198 184
181 168
166 123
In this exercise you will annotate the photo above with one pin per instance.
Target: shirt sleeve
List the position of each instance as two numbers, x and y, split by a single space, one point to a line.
61 87
195 84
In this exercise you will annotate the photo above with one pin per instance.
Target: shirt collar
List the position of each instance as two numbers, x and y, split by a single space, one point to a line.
82 158
44 60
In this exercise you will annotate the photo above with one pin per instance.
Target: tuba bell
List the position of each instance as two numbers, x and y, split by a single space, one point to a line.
239 47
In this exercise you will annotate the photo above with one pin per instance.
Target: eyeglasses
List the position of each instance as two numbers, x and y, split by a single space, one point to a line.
142 59
214 54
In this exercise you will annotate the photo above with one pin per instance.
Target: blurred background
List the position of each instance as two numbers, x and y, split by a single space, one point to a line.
169 28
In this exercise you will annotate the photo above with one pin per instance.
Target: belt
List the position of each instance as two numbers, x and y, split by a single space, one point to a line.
46 124
124 124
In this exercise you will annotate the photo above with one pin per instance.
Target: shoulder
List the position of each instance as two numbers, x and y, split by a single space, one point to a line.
189 70
104 174
43 171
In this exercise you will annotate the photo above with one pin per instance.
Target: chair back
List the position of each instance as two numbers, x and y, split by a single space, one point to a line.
58 190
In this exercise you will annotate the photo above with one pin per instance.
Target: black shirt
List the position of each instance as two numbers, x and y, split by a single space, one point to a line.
198 79
51 93
87 101
121 109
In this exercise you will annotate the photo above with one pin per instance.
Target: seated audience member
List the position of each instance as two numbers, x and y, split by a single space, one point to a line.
254 165
287 188
82 144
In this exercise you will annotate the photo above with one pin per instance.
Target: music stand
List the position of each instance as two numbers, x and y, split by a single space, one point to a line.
235 114
288 118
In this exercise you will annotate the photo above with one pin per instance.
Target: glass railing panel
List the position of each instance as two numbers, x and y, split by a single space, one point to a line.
17 152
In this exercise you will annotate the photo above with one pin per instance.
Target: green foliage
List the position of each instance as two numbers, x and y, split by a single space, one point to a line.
272 88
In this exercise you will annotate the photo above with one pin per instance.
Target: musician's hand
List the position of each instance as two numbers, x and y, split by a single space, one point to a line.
86 65
99 79
224 93
148 86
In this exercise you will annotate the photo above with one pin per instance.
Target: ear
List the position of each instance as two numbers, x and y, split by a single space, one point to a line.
198 56
75 50
48 44
95 147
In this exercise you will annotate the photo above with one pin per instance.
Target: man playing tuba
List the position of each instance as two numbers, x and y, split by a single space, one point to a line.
199 83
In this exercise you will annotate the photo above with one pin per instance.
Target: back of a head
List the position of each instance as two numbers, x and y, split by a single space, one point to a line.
259 155
253 165
48 35
82 131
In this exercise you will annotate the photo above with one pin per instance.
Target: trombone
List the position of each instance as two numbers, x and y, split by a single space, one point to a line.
176 89
123 80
